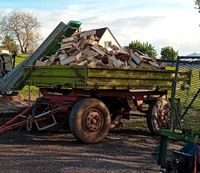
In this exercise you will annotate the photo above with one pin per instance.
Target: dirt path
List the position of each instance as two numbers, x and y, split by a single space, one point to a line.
123 151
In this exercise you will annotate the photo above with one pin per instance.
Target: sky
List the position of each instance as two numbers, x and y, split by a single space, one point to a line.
162 23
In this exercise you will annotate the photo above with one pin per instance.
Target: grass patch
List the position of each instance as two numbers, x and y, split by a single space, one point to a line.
24 93
34 93
187 95
20 58
191 119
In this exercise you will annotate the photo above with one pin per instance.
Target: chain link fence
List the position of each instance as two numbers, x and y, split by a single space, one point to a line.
185 95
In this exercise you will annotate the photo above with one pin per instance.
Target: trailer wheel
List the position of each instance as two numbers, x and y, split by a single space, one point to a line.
158 116
90 120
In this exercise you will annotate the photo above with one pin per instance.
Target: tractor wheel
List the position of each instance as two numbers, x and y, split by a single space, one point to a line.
158 116
90 120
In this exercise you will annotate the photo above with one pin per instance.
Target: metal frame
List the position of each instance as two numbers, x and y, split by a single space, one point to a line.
165 136
60 103
14 79
173 92
170 134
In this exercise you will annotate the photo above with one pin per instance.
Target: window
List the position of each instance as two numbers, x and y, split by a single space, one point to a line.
107 44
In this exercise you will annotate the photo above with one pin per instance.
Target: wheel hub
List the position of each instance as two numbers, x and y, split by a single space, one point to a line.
163 118
161 114
93 120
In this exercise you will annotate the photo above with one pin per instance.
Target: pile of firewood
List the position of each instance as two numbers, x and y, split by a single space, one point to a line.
83 49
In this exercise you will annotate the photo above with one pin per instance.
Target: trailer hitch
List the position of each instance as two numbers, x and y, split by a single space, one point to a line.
27 119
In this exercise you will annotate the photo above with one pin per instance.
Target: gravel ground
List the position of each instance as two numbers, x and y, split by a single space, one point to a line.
123 151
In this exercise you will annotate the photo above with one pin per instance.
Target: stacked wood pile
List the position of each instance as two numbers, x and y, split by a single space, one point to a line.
83 49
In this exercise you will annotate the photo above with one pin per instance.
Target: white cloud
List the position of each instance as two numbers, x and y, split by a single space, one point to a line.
70 13
162 23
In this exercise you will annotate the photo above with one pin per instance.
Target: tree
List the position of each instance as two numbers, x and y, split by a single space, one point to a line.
23 27
9 44
197 4
168 53
145 48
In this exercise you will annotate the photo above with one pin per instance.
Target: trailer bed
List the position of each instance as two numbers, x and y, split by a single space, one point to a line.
81 77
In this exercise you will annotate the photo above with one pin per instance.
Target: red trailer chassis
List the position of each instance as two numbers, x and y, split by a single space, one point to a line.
45 112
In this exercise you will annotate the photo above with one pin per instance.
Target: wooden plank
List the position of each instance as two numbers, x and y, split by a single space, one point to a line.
68 45
87 33
82 43
67 60
131 63
115 62
136 57
154 64
78 56
70 39
91 42
98 50
85 62
39 63
146 65
147 58
90 53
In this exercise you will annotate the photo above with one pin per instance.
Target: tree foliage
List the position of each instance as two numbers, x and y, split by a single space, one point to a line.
197 4
145 48
168 53
23 27
9 44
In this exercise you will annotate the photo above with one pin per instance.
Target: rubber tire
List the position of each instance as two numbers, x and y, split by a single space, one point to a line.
77 116
150 117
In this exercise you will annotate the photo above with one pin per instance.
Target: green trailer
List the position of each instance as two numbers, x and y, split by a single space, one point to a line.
92 100
81 77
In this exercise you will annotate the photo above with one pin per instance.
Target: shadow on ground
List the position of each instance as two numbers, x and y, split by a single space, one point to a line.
122 151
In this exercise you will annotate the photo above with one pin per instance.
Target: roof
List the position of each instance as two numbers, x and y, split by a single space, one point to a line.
194 54
101 31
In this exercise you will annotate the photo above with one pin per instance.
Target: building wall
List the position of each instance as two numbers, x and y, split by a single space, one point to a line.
107 37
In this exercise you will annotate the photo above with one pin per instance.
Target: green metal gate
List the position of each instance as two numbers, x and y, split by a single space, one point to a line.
185 96
185 107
